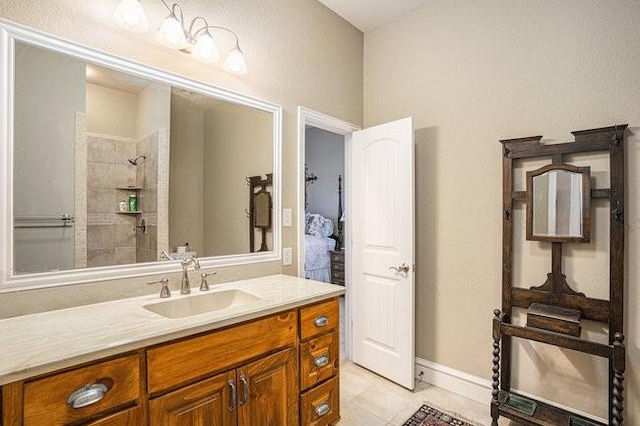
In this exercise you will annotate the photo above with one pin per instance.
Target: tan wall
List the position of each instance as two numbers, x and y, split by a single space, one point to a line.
49 93
111 112
474 72
187 149
298 53
237 145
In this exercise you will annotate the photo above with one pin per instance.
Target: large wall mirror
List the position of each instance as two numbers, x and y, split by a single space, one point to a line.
114 167
558 200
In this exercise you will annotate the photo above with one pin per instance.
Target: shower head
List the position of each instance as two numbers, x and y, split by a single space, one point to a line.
134 160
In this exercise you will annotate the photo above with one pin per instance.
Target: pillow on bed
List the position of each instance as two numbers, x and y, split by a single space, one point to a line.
317 225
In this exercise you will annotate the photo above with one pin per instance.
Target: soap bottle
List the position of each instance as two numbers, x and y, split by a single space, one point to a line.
133 203
123 206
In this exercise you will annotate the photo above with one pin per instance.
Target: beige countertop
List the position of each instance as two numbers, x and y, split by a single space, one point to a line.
35 344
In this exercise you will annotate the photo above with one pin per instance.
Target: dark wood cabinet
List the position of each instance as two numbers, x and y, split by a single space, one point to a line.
337 267
560 307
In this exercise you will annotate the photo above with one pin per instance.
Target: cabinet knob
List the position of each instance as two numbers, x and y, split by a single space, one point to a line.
323 409
321 321
87 395
321 361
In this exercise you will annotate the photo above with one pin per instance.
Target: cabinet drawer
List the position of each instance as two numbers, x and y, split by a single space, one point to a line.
318 319
45 400
336 275
185 361
337 257
337 267
128 417
320 406
319 359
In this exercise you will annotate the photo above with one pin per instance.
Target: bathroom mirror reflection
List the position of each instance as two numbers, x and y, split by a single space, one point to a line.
558 199
113 169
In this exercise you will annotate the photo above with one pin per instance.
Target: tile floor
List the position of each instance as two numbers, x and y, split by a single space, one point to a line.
368 399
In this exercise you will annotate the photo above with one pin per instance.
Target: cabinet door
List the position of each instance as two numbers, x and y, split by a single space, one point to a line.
268 389
208 402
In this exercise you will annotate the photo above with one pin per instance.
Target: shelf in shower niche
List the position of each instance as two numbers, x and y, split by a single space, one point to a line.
138 212
129 188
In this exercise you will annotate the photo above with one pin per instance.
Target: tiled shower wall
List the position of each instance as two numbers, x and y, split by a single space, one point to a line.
111 238
147 176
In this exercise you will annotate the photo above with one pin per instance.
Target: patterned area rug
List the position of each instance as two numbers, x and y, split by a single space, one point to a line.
429 416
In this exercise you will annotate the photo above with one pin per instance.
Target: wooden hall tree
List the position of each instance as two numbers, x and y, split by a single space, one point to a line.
558 205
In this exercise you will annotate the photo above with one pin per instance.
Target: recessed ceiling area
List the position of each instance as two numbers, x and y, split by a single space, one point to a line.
367 15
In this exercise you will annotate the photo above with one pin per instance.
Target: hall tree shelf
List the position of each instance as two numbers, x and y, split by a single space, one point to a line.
555 296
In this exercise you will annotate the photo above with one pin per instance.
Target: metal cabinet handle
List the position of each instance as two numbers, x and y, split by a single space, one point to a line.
404 268
87 395
321 361
323 409
245 390
234 395
321 321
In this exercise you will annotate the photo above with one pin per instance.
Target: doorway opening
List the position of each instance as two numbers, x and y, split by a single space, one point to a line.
324 144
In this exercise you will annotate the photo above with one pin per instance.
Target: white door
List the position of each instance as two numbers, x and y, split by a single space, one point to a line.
382 223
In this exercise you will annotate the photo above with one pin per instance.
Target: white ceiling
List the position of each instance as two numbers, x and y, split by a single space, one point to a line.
367 15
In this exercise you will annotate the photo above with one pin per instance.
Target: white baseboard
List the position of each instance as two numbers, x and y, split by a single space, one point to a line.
474 387
455 381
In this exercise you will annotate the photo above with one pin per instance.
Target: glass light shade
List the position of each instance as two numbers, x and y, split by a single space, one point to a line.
130 15
171 34
235 63
205 49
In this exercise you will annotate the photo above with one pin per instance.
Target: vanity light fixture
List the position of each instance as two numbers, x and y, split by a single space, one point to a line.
174 34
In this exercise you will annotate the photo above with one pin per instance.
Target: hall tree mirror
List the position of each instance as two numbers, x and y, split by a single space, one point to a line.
558 200
111 163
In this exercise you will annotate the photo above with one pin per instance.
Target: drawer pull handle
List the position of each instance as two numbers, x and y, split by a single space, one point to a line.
323 409
245 390
321 321
87 395
234 395
321 361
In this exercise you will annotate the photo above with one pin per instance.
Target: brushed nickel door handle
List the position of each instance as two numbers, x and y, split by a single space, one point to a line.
402 269
234 395
245 390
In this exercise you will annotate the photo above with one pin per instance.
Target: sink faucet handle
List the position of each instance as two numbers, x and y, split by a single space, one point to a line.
164 291
204 285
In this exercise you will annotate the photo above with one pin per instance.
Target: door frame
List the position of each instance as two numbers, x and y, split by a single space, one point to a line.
309 117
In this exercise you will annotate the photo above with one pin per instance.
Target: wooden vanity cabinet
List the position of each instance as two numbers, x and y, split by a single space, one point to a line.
319 364
278 370
263 393
260 389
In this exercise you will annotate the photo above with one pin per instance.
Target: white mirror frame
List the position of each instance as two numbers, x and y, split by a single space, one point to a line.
9 34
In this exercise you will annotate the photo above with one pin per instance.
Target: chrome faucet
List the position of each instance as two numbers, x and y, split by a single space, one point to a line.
185 288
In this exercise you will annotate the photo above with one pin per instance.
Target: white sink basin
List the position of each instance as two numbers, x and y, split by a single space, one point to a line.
203 303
